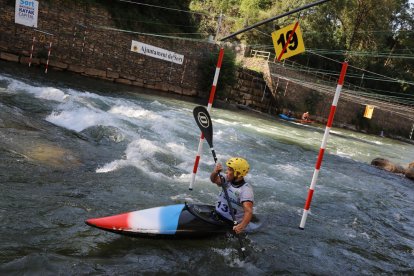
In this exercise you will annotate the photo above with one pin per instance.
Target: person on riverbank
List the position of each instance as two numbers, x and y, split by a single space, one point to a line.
240 193
305 116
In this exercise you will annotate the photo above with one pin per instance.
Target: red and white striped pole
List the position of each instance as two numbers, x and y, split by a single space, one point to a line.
48 56
323 145
210 103
31 51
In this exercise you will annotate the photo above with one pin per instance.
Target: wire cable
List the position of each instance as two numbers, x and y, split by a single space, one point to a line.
165 8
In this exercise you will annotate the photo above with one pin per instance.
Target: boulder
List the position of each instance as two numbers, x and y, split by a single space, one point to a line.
409 173
411 165
387 165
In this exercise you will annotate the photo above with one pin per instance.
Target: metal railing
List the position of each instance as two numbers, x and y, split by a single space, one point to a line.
330 79
261 54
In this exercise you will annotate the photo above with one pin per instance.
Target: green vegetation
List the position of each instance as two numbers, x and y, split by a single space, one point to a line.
153 16
227 73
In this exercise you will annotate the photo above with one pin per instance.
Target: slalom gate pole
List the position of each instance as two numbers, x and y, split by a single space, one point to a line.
210 103
31 50
323 145
48 56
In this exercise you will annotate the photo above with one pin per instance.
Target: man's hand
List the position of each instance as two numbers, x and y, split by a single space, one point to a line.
248 214
239 228
214 174
218 168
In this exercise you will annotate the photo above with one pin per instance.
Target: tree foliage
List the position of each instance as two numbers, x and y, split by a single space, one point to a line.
366 27
148 16
227 75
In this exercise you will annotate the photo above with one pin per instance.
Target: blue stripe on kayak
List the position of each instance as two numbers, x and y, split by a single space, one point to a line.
168 218
285 117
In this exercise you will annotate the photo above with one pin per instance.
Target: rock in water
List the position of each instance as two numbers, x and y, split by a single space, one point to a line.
387 165
409 173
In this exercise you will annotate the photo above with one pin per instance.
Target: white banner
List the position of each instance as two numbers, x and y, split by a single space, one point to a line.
26 12
156 52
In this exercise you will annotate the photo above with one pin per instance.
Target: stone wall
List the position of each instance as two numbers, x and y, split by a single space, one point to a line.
251 91
292 93
82 42
278 90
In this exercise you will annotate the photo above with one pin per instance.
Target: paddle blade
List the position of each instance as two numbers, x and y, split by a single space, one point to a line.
203 121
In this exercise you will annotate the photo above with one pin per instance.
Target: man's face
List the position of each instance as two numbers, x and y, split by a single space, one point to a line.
229 174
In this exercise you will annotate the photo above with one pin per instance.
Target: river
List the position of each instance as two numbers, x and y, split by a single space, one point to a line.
73 148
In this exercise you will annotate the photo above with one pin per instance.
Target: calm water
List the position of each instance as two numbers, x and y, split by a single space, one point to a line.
73 148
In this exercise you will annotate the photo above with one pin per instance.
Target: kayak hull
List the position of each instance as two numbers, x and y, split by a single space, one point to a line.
172 221
306 121
287 118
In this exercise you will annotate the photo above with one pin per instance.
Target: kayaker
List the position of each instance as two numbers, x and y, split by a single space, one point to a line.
305 116
240 193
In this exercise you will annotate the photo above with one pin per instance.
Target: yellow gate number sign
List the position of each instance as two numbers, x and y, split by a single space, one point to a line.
281 36
369 109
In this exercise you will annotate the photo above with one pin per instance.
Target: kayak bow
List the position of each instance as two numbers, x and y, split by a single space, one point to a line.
180 220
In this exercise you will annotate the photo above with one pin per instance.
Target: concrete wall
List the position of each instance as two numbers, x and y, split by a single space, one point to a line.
393 120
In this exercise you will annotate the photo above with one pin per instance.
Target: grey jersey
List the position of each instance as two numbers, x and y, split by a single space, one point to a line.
237 196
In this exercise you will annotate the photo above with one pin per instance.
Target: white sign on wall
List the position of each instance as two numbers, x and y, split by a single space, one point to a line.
156 52
26 12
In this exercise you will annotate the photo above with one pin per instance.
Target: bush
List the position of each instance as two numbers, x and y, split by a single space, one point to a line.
227 76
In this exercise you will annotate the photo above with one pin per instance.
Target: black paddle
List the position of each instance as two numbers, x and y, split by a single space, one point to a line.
205 124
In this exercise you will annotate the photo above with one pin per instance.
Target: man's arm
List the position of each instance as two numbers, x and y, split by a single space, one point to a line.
248 214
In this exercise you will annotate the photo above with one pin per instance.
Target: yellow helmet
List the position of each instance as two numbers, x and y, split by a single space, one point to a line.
239 165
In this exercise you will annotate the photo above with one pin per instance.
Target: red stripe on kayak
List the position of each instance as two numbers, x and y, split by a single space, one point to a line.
113 222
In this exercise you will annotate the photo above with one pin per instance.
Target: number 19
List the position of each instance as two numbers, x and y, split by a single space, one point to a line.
293 43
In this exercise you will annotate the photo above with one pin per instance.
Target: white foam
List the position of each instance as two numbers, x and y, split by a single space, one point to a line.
289 168
183 178
50 93
134 112
112 166
47 93
139 154
344 154
225 122
181 198
79 119
232 258
142 148
157 103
